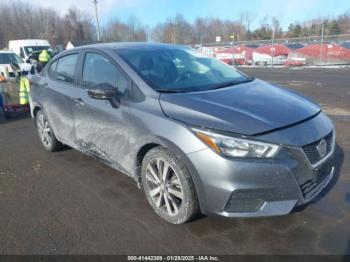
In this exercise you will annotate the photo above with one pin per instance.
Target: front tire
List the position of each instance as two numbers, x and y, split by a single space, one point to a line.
168 186
46 135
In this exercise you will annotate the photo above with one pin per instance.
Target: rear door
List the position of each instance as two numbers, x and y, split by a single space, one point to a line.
100 128
59 88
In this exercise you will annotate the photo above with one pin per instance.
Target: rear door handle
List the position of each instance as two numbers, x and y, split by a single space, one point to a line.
79 101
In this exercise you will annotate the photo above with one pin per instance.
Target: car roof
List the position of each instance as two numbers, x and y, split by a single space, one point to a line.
6 52
110 47
123 45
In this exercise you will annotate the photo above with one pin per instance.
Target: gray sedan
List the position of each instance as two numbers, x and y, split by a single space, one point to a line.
197 135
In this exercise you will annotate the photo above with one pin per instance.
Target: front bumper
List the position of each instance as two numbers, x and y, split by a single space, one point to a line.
260 187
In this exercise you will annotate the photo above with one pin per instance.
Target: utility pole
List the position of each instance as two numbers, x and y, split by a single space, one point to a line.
321 51
233 52
97 21
272 46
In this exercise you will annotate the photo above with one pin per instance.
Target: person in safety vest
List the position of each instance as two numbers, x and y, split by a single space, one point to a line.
44 57
24 88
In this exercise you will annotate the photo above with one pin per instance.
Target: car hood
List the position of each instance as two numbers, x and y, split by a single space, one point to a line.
249 108
23 66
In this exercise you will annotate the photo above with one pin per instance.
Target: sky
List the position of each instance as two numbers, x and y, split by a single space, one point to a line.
150 12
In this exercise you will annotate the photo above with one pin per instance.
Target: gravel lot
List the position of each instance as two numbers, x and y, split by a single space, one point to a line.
68 203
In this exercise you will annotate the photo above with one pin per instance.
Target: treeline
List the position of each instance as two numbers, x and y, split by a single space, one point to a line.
339 25
20 20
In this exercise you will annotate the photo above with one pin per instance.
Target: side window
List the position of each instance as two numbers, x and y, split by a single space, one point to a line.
98 70
66 68
52 69
21 52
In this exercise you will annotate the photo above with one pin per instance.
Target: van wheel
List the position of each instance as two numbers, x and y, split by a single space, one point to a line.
168 186
46 135
6 115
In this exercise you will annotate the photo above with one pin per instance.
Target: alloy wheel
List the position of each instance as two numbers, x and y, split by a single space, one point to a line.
164 186
44 130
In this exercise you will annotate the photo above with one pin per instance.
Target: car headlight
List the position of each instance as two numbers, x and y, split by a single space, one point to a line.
236 147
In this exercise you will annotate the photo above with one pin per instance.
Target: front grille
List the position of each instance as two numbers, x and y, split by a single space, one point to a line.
311 152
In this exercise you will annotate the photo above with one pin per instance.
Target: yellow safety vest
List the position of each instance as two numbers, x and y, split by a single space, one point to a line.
44 57
24 88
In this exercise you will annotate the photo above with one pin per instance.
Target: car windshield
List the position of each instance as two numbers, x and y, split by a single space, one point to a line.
31 49
171 69
10 58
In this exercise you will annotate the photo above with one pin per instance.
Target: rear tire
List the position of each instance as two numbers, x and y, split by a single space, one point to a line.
168 186
46 135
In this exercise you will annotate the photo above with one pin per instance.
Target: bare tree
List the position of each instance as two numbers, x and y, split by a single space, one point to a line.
276 27
20 20
175 30
247 18
118 31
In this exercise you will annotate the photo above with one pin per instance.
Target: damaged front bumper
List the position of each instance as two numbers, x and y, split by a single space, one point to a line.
260 187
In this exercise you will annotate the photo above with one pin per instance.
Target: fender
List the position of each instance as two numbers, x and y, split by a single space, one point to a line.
161 141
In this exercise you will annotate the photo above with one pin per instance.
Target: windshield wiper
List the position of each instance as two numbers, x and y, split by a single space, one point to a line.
171 90
222 85
232 83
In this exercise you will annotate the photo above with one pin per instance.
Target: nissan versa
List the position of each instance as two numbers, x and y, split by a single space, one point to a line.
197 135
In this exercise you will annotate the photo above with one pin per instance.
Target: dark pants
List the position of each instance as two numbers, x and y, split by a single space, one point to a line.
40 66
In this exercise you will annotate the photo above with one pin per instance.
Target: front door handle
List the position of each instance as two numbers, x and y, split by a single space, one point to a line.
79 101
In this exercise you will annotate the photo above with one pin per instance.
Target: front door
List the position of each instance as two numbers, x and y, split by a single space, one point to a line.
101 129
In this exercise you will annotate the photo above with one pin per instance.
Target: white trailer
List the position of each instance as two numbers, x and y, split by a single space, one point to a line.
265 59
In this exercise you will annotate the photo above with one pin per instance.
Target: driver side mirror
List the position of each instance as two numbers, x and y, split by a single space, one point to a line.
105 91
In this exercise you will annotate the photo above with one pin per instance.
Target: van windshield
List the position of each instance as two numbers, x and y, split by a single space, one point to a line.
31 49
176 69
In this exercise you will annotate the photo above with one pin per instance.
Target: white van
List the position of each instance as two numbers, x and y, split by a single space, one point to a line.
25 47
